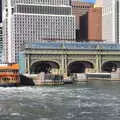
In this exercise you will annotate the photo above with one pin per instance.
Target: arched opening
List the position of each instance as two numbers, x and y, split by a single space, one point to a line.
110 66
79 67
44 66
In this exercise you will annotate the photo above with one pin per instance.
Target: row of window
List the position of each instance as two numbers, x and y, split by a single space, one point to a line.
107 10
81 6
49 2
7 79
29 37
44 21
43 9
42 17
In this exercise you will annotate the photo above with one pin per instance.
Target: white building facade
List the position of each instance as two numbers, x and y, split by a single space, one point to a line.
1 43
35 21
110 20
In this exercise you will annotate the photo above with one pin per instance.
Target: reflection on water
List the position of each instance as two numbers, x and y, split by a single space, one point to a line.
96 100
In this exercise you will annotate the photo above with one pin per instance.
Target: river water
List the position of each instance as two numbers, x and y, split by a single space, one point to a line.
96 100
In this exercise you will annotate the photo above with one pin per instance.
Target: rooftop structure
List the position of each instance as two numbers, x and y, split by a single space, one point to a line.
9 66
73 45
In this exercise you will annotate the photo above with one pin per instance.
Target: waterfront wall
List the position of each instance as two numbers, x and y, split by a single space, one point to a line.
64 58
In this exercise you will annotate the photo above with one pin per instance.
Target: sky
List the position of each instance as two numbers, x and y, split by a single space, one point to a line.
91 1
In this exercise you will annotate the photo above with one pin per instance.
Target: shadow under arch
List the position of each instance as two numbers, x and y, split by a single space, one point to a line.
79 67
43 66
110 66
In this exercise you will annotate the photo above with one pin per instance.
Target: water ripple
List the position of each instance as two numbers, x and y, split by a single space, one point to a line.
80 102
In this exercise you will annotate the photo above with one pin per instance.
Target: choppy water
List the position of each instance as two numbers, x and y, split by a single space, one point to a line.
96 100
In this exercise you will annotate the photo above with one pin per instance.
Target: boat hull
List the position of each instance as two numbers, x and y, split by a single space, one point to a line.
9 85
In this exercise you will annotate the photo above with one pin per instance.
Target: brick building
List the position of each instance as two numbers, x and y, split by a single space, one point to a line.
80 10
95 24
